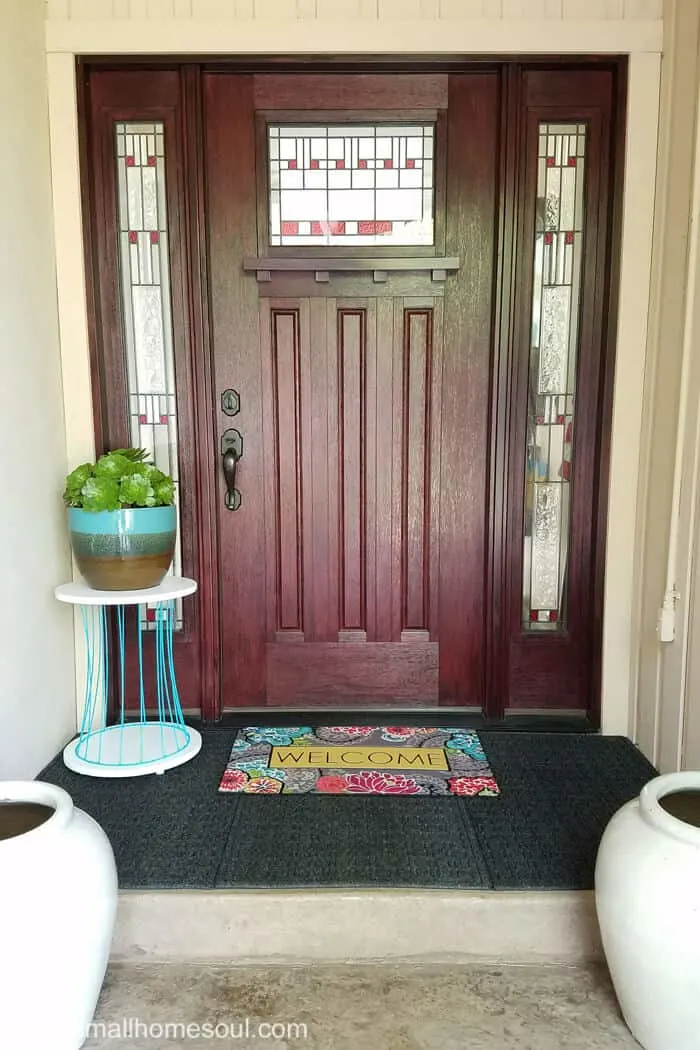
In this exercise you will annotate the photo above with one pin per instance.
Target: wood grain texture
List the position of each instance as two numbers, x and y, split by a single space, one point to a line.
350 286
343 673
321 401
285 338
415 553
471 229
203 482
245 540
352 336
498 561
367 91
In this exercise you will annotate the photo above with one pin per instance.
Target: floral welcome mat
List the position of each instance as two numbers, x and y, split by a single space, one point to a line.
359 760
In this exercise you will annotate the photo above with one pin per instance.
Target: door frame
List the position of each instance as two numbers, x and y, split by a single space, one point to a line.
189 139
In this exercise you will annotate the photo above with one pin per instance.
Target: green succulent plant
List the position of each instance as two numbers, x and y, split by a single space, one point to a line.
122 478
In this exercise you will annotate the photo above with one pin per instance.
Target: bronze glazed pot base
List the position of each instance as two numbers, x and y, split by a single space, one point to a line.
133 573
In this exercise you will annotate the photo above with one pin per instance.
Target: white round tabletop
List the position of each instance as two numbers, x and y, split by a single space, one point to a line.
171 587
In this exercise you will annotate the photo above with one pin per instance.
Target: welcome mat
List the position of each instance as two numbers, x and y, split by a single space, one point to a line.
358 760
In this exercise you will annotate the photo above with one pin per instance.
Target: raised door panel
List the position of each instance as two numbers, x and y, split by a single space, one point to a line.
351 412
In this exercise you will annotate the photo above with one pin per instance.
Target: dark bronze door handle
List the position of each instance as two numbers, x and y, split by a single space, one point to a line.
231 452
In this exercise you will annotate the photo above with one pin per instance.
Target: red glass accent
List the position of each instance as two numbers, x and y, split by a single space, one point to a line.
572 162
362 163
553 616
151 615
130 162
314 164
547 238
292 164
540 421
318 229
371 227
560 420
410 163
142 419
388 163
533 615
154 237
151 162
550 162
340 164
133 236
569 238
290 229
164 419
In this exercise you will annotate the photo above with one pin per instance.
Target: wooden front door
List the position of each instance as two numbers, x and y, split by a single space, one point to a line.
392 296
353 570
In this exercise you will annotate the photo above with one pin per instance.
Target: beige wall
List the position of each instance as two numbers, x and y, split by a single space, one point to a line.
37 686
667 535
691 736
678 694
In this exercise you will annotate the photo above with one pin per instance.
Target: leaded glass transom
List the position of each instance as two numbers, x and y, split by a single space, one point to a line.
352 185
559 232
146 304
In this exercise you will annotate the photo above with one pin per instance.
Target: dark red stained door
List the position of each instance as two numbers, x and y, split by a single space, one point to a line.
353 571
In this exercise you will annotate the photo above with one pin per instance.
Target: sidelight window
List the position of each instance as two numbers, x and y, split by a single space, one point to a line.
146 303
549 467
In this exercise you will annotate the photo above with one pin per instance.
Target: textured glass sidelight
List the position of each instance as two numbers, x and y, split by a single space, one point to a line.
552 373
146 303
350 185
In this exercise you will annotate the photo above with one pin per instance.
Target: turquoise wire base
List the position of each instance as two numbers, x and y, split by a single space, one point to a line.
140 743
132 750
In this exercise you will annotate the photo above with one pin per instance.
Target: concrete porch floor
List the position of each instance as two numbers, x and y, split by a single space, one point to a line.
401 1006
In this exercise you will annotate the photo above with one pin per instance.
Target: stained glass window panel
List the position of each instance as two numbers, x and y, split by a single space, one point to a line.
146 304
549 469
350 184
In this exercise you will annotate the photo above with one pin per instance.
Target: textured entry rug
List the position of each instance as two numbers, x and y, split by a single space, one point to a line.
358 760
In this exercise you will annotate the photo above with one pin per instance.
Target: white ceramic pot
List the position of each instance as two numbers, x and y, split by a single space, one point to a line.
647 884
58 899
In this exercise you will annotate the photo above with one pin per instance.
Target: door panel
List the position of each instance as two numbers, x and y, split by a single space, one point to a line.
231 195
471 207
372 411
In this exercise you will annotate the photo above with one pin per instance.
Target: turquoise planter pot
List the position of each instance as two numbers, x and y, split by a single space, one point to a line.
123 550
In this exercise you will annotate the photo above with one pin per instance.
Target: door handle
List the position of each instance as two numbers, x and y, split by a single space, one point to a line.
231 453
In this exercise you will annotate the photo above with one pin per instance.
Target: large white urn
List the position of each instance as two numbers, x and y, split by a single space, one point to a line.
58 899
647 884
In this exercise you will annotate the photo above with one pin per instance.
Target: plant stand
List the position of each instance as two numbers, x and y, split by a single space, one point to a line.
145 743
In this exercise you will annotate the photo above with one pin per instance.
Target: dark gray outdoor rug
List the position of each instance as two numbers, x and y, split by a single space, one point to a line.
557 793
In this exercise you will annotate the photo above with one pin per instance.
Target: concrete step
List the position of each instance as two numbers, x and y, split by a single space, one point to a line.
386 1006
330 925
